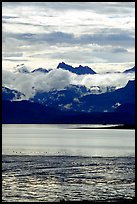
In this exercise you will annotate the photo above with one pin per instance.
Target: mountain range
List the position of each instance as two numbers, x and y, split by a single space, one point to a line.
80 70
72 104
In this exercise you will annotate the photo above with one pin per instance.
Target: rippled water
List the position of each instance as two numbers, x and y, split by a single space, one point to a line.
55 178
55 163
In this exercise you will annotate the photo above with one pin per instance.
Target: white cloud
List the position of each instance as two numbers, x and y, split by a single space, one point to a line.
29 84
34 28
58 79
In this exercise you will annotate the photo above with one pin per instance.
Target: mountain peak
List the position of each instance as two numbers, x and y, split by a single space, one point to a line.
131 70
21 69
63 65
81 70
40 70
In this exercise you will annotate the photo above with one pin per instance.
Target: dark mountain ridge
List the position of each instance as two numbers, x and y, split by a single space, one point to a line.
77 70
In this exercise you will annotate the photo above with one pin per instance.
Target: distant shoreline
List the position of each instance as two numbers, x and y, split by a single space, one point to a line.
84 126
109 127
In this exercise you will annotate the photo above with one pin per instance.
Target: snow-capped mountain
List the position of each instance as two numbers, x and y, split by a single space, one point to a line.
21 69
11 95
79 98
61 98
42 70
116 107
105 100
77 70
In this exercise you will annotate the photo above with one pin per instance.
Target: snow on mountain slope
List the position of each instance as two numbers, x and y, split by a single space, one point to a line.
43 80
11 95
42 70
21 69
69 93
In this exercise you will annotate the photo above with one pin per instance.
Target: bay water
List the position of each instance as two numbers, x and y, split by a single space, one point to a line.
67 162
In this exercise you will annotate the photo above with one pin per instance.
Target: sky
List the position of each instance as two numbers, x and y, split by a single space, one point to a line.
100 35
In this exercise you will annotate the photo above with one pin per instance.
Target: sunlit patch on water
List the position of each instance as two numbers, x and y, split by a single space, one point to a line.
73 178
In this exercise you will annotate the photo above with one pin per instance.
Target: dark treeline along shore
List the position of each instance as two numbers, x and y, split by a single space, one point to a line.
110 127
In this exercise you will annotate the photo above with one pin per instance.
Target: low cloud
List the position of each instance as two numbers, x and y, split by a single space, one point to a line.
103 80
29 84
32 28
58 79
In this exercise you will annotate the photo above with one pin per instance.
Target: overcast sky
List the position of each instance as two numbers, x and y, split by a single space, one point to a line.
95 34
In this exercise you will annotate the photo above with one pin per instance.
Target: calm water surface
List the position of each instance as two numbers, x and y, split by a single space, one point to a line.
65 140
53 163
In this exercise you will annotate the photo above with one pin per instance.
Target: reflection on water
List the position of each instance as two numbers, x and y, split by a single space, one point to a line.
63 140
54 163
55 178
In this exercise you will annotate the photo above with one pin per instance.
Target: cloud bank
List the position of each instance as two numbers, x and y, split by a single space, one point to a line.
91 33
58 79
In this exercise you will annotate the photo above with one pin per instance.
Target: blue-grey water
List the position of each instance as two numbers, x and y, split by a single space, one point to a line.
59 162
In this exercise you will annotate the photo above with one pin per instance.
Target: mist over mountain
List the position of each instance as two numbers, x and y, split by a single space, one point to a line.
21 69
44 80
41 70
65 92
